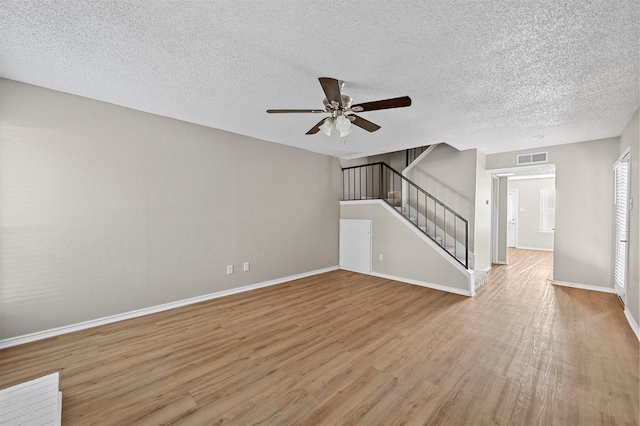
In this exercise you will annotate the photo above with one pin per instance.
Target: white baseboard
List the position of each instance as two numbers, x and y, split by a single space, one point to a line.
533 248
500 262
632 323
583 286
420 283
27 338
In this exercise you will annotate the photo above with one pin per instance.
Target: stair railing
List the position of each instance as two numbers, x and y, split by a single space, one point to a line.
412 153
430 215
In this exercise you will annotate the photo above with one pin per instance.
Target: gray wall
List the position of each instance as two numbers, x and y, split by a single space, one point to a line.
503 190
630 138
406 255
396 160
482 212
108 210
529 213
584 194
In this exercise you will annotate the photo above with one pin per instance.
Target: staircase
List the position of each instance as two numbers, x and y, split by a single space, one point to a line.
440 223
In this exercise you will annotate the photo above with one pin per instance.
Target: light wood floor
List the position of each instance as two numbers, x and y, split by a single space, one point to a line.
344 348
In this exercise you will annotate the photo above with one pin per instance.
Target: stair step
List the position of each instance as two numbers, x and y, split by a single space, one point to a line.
424 228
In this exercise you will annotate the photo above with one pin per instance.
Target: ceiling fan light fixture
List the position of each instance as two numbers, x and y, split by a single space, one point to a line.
342 124
346 132
326 127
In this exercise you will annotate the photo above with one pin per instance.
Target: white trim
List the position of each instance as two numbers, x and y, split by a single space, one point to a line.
487 269
544 176
423 283
32 337
501 262
583 286
413 229
632 323
533 248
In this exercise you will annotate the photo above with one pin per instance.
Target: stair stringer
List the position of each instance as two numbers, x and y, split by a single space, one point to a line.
424 262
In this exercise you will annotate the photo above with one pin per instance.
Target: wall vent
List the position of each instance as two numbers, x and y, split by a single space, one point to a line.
538 157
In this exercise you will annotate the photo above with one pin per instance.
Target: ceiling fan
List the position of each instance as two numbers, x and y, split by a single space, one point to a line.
341 109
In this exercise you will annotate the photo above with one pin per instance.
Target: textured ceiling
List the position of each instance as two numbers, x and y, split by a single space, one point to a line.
494 75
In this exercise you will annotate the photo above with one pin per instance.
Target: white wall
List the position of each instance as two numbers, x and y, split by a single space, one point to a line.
106 210
529 213
584 193
630 139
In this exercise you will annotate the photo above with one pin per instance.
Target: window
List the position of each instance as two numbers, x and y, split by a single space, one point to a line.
547 210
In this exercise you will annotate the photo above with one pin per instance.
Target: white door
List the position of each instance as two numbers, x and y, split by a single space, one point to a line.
355 244
621 169
512 218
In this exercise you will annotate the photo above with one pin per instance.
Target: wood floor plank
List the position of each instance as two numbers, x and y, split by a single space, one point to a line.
347 348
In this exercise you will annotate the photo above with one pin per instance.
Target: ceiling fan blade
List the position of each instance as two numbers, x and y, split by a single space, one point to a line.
331 88
282 111
403 101
315 129
365 124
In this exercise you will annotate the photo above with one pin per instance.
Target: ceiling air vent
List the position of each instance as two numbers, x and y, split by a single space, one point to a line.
538 157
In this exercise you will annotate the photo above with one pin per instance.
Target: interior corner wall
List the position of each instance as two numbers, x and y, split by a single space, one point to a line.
529 235
584 194
107 210
482 219
396 160
631 139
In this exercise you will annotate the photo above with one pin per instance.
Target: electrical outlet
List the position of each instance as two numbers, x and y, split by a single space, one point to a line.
380 257
229 269
246 266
